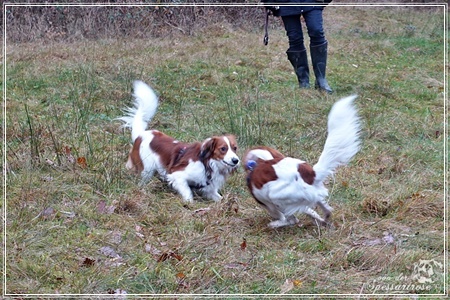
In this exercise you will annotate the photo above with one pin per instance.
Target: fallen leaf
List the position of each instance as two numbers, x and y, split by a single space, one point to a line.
166 255
244 244
67 150
437 134
81 161
201 211
176 256
297 283
88 262
181 275
163 257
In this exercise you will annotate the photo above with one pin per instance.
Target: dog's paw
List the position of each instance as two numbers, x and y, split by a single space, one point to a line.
215 197
292 220
277 224
188 199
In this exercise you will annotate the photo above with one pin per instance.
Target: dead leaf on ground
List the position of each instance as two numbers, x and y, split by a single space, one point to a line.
297 283
88 262
166 255
201 212
244 244
81 161
181 280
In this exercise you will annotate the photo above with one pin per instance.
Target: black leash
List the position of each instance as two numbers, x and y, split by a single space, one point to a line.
266 28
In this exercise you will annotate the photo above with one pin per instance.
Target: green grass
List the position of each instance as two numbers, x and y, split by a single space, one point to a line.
61 212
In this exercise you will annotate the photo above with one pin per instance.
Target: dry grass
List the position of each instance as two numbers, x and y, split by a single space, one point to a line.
77 222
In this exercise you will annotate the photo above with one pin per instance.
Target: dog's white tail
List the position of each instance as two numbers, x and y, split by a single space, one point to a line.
343 138
145 105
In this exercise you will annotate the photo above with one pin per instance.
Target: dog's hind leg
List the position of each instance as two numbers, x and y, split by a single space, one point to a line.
280 218
313 214
326 210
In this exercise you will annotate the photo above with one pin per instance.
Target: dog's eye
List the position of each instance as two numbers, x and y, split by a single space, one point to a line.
223 149
234 148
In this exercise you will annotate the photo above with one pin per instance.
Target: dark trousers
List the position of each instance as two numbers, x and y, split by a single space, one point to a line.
314 25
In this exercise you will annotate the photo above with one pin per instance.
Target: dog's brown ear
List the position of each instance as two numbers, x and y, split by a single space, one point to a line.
207 148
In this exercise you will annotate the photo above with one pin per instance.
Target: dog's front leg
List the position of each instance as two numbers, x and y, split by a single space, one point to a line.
211 193
182 187
215 196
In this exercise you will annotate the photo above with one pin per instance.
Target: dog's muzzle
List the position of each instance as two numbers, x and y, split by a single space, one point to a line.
234 162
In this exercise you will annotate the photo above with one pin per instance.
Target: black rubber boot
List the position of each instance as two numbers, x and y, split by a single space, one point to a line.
319 62
299 60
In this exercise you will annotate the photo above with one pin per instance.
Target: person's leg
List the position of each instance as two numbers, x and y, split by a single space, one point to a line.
296 53
318 48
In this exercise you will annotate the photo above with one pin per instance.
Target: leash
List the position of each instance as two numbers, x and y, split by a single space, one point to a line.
266 28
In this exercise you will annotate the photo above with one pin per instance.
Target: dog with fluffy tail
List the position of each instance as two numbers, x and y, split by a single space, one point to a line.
200 167
285 186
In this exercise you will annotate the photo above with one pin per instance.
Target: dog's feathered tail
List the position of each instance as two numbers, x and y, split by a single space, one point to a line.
145 105
343 138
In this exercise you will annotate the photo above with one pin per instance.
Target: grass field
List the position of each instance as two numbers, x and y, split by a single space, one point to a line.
78 223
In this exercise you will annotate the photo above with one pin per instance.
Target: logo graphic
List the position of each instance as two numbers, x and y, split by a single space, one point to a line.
426 276
425 270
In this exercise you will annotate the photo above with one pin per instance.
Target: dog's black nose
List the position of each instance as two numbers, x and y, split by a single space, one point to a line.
235 160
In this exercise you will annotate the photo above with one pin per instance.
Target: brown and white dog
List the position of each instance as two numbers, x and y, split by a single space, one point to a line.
202 166
285 186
